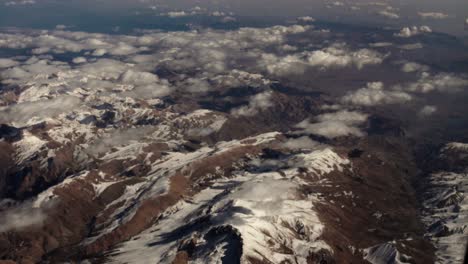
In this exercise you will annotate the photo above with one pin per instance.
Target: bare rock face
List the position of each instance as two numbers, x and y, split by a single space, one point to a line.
445 203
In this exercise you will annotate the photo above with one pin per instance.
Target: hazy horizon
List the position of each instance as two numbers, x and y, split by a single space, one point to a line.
447 16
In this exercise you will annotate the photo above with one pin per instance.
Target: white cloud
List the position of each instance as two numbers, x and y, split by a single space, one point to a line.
149 91
99 52
218 13
427 110
380 44
200 132
257 103
104 68
35 112
338 56
442 82
388 14
408 32
20 2
335 4
413 67
137 78
32 68
228 19
236 78
412 46
434 15
23 216
333 125
79 60
306 19
118 138
300 143
175 14
375 94
335 56
348 117
145 85
195 85
7 63
60 27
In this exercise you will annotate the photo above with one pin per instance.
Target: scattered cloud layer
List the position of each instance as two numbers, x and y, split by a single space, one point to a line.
117 138
413 67
375 94
20 2
306 19
433 15
23 216
300 143
7 63
335 56
427 110
258 102
34 112
337 124
442 82
408 32
388 14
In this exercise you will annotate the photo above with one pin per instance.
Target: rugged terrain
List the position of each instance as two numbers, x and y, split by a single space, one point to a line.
195 154
167 192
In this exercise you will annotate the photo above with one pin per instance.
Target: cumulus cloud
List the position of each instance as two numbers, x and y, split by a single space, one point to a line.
332 4
338 56
145 85
337 124
149 91
30 69
283 66
118 138
380 44
200 61
34 112
300 143
388 14
200 132
427 110
236 78
411 46
209 52
442 82
175 14
306 19
59 41
79 60
375 94
335 56
105 68
408 32
434 15
349 117
20 2
7 63
23 216
257 103
60 27
228 19
413 67
138 78
195 85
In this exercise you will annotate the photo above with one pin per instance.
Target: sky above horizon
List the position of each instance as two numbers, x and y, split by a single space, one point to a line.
105 15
